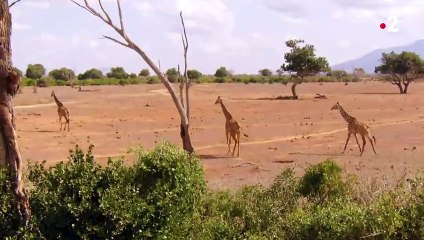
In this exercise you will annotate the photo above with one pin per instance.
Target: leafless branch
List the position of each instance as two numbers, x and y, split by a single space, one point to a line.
187 81
185 45
104 11
116 41
120 15
14 3
127 42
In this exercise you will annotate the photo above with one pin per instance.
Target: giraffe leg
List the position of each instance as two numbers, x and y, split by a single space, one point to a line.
363 145
357 142
227 131
372 144
238 144
60 121
235 144
229 145
67 121
347 140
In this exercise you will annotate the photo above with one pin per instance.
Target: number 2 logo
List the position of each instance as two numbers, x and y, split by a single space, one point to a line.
393 24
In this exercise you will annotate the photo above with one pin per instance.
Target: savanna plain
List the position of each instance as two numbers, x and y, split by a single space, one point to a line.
281 133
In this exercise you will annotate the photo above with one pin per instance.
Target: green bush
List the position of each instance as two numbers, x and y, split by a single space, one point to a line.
152 80
322 181
81 200
41 83
220 80
163 196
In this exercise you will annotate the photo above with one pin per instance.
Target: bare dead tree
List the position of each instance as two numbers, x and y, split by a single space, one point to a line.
127 42
10 156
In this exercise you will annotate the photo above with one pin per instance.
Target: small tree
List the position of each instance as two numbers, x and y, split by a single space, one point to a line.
91 74
194 74
265 72
35 71
65 74
222 72
302 62
182 106
172 74
144 73
118 73
401 69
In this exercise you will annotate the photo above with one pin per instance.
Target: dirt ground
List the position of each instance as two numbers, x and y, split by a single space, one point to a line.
282 133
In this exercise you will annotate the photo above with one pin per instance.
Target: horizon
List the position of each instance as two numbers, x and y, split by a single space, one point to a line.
221 34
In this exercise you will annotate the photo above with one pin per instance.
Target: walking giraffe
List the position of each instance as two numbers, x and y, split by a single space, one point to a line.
232 128
62 111
355 127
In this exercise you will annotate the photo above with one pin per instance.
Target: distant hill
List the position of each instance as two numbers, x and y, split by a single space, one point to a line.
372 59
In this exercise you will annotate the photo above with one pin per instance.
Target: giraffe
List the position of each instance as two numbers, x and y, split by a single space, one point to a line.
355 127
62 111
232 129
34 89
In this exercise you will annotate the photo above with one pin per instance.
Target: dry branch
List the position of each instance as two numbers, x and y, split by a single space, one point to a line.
14 3
127 42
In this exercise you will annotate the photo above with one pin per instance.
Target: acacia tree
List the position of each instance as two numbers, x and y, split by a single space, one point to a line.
302 62
10 156
401 69
183 109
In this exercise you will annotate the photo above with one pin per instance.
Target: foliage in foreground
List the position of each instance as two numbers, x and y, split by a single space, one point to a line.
163 195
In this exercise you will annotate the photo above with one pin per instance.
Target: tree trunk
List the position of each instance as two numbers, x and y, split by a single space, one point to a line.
185 137
399 85
9 85
405 88
293 89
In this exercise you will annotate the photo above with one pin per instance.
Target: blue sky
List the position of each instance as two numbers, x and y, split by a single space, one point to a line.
243 35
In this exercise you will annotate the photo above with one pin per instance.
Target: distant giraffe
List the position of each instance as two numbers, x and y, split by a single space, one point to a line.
232 128
34 89
62 111
355 127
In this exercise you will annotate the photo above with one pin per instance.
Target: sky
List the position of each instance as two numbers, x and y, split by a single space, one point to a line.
242 35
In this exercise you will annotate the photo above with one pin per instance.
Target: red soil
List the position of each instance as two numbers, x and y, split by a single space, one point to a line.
282 133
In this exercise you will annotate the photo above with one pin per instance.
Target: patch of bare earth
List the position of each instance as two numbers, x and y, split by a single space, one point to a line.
282 133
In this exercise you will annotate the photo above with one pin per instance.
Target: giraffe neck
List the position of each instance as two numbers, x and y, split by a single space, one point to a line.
226 113
349 119
58 103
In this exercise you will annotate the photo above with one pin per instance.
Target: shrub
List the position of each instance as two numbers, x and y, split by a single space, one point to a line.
163 188
153 80
41 83
220 80
322 181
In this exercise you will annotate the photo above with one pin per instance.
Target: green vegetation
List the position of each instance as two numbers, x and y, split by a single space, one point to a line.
222 72
118 73
172 74
91 74
164 196
64 74
35 71
401 69
193 74
301 62
144 73
265 72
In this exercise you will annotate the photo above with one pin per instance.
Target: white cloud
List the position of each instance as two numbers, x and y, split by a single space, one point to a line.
93 43
45 37
21 26
41 4
344 43
143 6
